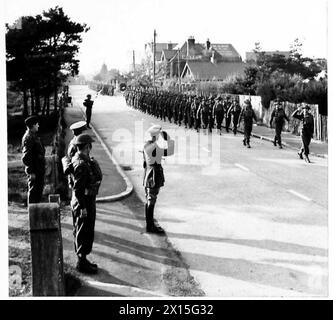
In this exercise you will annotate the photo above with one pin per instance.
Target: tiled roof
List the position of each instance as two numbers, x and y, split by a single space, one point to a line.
226 50
208 71
168 54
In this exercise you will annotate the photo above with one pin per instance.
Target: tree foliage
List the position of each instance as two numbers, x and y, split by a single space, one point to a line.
41 55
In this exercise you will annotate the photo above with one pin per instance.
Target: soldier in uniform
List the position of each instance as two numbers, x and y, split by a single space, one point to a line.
248 115
307 130
87 177
88 103
227 114
234 111
218 113
278 116
153 178
77 128
33 158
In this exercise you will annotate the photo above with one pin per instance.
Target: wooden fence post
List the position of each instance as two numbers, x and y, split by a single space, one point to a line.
46 250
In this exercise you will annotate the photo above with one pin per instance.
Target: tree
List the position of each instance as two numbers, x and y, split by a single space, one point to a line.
41 55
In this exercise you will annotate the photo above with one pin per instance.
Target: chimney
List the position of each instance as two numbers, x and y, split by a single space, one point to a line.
207 44
190 45
169 46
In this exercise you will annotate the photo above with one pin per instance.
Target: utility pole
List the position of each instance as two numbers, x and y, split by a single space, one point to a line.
178 70
133 61
154 54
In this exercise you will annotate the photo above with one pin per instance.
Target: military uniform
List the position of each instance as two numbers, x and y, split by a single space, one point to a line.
87 177
248 115
153 178
234 111
218 113
307 130
34 160
88 103
278 116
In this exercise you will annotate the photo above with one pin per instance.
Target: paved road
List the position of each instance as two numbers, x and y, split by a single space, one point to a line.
248 222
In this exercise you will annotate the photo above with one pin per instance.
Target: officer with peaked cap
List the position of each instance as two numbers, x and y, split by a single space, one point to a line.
153 178
87 177
33 158
77 128
307 130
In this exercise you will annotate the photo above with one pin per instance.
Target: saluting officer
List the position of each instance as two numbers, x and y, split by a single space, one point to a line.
307 130
34 160
87 177
153 178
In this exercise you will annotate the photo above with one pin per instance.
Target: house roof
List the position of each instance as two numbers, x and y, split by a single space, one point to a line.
207 70
226 50
168 54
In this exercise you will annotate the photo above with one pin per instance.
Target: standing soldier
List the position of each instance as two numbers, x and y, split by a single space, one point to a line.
307 130
34 160
87 177
278 115
248 114
153 173
218 113
88 103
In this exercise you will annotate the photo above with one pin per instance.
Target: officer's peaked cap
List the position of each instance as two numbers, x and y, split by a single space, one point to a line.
83 139
30 121
154 130
78 125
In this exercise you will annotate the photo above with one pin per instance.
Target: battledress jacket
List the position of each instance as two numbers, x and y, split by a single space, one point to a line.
153 171
33 153
87 178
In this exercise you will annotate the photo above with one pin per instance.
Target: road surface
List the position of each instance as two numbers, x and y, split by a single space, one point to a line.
247 222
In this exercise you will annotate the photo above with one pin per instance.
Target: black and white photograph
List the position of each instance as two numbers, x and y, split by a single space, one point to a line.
165 150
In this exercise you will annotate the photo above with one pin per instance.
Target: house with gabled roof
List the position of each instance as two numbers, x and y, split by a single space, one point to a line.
201 61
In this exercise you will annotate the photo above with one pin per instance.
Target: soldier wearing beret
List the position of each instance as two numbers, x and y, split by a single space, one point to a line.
87 177
153 178
34 160
307 130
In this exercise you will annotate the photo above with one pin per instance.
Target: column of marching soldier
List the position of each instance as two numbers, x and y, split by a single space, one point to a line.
194 111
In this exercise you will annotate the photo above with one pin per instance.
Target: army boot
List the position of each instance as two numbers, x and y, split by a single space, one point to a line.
84 266
306 157
300 154
151 227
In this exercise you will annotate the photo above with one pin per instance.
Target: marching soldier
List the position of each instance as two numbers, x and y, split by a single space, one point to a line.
234 111
34 160
278 116
248 115
87 177
218 113
153 172
227 114
307 130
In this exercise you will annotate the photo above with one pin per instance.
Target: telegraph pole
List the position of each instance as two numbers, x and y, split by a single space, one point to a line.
133 61
178 70
154 54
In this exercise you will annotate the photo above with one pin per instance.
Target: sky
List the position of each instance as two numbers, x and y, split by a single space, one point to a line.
117 27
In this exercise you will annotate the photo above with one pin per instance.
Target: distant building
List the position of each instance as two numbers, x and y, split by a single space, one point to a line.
199 61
